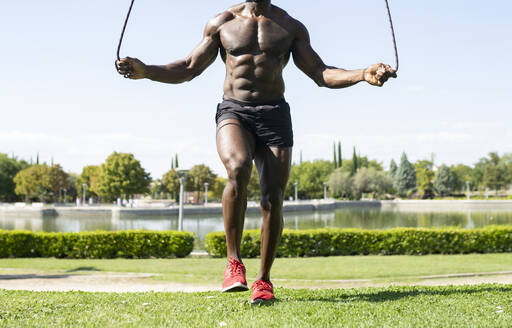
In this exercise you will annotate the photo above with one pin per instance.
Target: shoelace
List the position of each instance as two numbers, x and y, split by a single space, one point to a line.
263 285
236 267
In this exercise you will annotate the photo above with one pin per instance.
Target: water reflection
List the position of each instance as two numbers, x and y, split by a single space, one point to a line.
202 225
377 219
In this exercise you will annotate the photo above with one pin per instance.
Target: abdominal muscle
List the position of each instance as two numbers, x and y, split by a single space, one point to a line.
254 78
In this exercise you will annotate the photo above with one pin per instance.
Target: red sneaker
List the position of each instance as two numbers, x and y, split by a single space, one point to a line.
262 291
234 277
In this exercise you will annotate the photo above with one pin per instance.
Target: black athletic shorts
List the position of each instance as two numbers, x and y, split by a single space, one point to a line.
270 123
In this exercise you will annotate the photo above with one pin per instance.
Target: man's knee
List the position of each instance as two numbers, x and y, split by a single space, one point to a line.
239 170
272 199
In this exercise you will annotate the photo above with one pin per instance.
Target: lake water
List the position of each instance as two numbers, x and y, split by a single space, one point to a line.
202 225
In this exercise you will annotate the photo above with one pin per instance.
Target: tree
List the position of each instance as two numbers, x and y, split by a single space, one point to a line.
70 193
506 162
91 177
171 183
122 175
197 177
311 177
405 178
491 172
369 180
355 163
218 187
495 175
382 183
156 188
9 167
253 188
176 163
460 174
393 168
424 178
363 161
334 157
41 181
443 183
340 159
340 184
59 180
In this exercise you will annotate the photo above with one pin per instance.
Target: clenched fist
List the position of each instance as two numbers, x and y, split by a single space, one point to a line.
131 68
378 74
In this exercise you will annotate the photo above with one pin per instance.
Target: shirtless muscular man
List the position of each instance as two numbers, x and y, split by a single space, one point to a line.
255 40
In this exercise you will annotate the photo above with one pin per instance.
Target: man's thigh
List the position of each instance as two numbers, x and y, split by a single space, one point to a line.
234 143
274 168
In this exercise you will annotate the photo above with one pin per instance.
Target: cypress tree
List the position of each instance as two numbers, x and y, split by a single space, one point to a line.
300 159
340 159
176 164
354 162
334 155
37 159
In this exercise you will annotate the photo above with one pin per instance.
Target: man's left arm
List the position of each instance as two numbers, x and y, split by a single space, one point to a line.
308 61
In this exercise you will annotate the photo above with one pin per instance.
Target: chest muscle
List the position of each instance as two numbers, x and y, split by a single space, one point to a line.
253 36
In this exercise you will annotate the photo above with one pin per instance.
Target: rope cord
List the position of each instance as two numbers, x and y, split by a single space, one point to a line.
397 63
122 32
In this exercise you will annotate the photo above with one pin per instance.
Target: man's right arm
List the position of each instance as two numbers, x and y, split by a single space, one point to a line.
182 70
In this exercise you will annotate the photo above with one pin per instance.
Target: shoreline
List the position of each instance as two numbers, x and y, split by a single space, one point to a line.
158 209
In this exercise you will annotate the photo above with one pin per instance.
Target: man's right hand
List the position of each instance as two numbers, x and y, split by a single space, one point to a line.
131 68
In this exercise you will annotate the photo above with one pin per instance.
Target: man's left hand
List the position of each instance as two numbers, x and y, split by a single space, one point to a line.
378 74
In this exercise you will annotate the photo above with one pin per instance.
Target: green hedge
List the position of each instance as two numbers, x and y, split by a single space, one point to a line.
405 241
96 245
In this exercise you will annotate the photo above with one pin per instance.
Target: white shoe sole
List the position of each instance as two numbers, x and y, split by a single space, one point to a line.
259 301
236 287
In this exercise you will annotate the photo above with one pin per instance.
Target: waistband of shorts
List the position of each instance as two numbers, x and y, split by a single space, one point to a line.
254 104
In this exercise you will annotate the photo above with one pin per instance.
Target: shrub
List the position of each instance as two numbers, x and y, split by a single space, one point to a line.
398 241
96 245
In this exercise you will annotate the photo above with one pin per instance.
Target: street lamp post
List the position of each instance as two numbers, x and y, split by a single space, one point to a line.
84 187
467 190
296 184
325 191
206 184
182 176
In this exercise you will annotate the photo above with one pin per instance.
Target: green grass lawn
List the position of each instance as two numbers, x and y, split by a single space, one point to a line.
209 271
470 306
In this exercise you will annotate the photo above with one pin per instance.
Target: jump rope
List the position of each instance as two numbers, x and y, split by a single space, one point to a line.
397 63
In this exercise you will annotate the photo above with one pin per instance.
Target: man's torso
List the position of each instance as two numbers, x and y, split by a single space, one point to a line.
255 49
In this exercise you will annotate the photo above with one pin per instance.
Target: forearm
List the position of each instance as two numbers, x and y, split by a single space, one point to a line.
174 73
337 78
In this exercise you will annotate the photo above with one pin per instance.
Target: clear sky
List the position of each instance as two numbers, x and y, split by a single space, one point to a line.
60 95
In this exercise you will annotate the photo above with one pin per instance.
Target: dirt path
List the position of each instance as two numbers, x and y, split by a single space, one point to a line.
134 282
105 282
